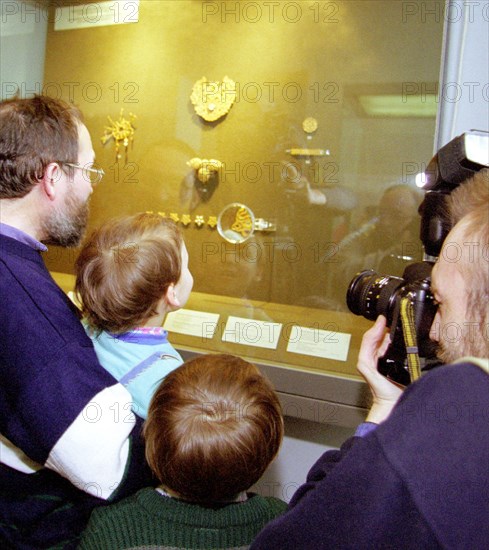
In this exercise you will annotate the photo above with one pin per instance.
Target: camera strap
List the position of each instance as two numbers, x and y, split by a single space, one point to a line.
410 340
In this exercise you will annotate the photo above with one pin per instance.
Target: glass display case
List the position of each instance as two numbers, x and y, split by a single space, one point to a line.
313 116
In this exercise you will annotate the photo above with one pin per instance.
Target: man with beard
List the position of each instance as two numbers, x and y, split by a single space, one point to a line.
416 473
68 439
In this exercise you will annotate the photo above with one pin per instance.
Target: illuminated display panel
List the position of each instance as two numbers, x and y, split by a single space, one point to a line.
307 145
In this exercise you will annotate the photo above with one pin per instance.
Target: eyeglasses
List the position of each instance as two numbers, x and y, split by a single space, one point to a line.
93 175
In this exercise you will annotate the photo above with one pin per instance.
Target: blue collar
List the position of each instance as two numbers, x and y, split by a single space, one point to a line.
21 236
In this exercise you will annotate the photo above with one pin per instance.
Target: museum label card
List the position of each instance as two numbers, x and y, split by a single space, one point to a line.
250 332
97 14
192 323
319 343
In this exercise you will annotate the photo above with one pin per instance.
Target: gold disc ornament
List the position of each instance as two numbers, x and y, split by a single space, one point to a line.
310 125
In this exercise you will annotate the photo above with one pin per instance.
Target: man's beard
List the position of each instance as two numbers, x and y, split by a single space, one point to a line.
66 226
472 342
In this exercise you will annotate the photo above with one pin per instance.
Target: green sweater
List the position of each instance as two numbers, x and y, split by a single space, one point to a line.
150 520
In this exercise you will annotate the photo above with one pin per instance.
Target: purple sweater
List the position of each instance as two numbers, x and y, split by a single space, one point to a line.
68 441
420 480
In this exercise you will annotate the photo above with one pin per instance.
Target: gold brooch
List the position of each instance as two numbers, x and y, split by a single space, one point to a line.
213 99
121 131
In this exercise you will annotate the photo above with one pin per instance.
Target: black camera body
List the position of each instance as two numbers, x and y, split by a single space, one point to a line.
370 294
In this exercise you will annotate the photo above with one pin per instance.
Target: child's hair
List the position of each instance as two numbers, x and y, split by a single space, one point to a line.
125 268
213 427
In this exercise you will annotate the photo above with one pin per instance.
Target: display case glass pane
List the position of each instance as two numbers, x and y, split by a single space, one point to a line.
329 112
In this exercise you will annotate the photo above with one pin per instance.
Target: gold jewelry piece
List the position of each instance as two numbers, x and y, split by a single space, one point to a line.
310 125
174 217
205 168
186 219
212 221
308 152
121 131
242 223
213 99
199 221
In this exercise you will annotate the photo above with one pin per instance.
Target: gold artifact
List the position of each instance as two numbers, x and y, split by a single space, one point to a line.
205 168
243 223
121 131
310 125
308 152
213 99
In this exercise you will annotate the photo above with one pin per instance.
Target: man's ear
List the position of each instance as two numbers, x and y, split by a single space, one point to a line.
50 179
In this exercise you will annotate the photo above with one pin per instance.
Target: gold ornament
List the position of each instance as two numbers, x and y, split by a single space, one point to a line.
310 125
242 223
308 152
121 131
205 168
185 219
213 99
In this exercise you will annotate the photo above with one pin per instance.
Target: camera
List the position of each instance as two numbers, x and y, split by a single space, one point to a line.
371 294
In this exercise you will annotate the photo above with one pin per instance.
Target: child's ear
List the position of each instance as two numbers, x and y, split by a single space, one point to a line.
171 297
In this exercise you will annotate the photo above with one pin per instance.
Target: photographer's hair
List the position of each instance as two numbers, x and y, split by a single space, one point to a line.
213 427
470 201
124 269
33 133
475 270
470 194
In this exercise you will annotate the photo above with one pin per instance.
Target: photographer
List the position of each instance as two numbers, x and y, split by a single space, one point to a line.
416 473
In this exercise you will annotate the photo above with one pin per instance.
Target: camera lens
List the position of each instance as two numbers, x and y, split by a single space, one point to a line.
371 295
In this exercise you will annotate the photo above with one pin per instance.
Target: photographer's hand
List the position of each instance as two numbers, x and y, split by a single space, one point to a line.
384 392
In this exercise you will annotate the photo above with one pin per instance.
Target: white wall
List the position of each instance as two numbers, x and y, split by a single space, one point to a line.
464 78
23 31
303 444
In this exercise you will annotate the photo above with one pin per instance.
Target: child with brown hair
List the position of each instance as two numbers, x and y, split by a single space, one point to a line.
130 273
214 426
